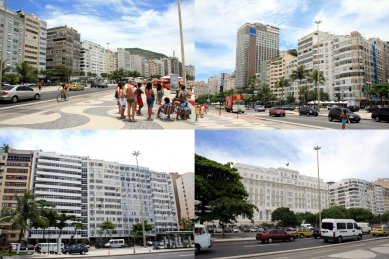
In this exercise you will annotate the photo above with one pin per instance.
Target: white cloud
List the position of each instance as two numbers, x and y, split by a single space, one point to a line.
164 151
357 154
129 26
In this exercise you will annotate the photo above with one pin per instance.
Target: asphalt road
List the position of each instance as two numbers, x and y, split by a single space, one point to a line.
52 95
319 121
240 248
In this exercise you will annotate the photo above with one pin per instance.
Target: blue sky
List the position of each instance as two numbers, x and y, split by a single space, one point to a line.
217 23
151 25
356 154
112 145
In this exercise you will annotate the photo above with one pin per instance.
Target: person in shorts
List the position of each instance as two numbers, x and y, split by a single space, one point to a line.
150 98
344 118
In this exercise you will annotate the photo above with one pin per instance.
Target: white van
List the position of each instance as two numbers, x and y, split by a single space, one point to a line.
48 248
337 230
115 243
309 226
365 227
202 238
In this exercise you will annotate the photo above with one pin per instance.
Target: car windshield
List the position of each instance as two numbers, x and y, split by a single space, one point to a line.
278 108
239 102
7 87
347 110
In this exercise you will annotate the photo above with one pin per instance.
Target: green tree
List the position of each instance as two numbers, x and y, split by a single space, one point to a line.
317 79
360 215
220 193
26 210
11 79
265 94
26 72
336 212
117 74
307 217
47 212
203 98
385 217
281 83
381 90
299 74
137 231
292 52
106 225
284 216
312 96
78 225
186 224
290 99
5 147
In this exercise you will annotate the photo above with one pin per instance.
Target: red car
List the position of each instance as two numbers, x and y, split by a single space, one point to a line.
271 235
276 111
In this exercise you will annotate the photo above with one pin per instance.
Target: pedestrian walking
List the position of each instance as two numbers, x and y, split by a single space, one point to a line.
39 86
345 119
150 98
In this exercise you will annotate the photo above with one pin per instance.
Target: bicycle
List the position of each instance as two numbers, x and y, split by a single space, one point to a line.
62 96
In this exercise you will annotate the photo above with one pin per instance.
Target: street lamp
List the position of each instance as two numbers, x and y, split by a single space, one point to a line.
318 180
136 154
318 62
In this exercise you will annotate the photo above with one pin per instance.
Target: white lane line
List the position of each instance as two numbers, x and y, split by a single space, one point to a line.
262 245
327 250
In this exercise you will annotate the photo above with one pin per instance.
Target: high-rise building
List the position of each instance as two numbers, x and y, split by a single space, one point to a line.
384 182
11 38
63 50
271 188
92 58
15 178
185 191
170 65
200 88
256 43
110 61
357 193
190 71
130 62
216 83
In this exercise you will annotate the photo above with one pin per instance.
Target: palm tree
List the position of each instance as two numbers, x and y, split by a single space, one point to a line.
77 224
26 72
48 213
5 147
281 83
107 225
299 73
26 210
313 78
265 94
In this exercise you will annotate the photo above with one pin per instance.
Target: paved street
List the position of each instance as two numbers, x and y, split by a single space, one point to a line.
300 248
88 109
251 119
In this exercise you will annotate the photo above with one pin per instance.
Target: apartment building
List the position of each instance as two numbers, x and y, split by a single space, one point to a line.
92 58
357 193
165 212
185 193
216 83
63 50
110 61
57 179
256 43
12 27
15 178
384 182
276 69
130 62
190 71
170 65
200 88
271 188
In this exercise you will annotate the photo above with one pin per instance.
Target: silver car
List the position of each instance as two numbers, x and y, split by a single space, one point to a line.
14 93
259 108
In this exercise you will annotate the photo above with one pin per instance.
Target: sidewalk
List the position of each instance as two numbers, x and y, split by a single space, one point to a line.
106 252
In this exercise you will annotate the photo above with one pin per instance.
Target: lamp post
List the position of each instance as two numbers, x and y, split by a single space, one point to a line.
136 154
318 62
318 180
182 44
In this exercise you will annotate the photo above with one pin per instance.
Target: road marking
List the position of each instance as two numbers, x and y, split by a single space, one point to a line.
262 245
327 250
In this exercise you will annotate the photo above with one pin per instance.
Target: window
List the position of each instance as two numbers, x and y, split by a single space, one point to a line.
341 226
350 225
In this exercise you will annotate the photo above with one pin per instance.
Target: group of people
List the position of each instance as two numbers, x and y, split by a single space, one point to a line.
129 96
200 110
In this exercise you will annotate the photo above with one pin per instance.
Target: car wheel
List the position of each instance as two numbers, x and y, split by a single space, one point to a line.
330 118
82 253
283 115
37 97
263 241
300 114
377 119
269 240
197 248
291 239
325 240
359 237
14 99
302 236
316 115
340 239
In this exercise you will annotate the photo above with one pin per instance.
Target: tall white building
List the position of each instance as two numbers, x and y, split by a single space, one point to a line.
271 188
185 191
131 62
110 61
357 193
256 43
92 58
216 83
57 179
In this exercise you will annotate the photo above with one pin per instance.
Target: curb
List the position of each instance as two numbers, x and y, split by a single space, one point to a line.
294 250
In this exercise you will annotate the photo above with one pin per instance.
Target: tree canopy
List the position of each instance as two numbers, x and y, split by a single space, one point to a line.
219 193
285 217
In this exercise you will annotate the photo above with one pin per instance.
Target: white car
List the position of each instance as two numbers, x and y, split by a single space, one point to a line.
259 108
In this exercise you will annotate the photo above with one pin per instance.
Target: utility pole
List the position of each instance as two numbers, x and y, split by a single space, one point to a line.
136 154
182 44
318 180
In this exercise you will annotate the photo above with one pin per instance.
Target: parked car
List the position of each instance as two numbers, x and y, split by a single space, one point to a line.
259 108
380 114
76 87
276 111
372 108
292 231
304 232
288 107
335 113
382 230
99 84
316 233
330 107
274 234
14 93
75 249
353 108
305 110
337 230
